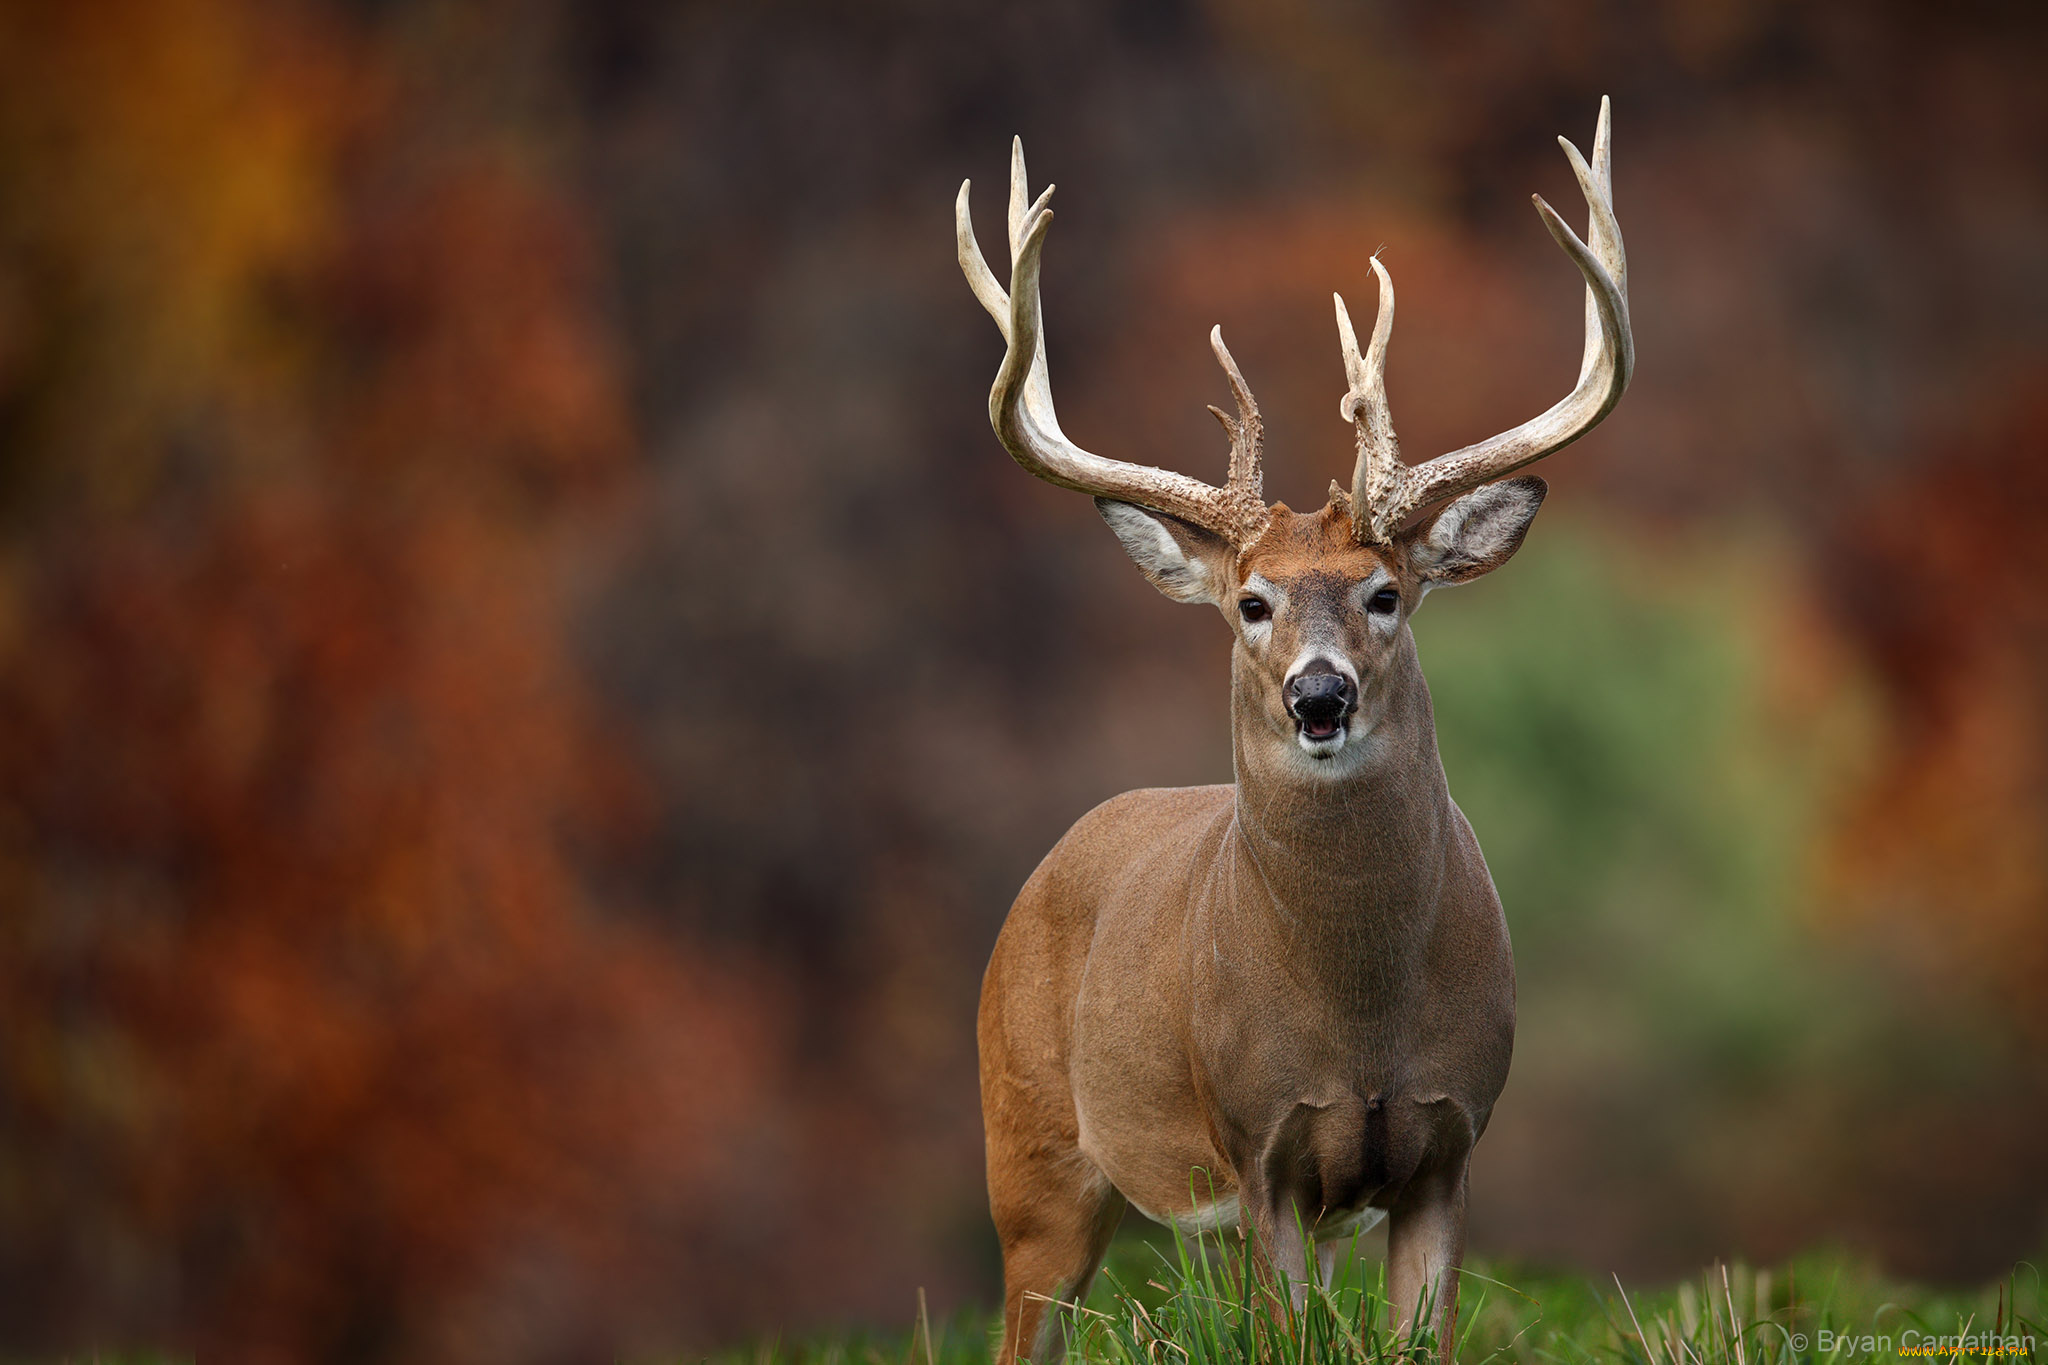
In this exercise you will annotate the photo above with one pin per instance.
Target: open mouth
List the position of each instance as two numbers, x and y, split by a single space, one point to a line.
1319 728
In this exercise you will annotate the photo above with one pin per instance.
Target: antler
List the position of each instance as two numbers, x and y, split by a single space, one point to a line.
1384 492
1020 404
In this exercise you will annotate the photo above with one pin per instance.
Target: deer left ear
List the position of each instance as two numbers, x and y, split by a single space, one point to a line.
1475 534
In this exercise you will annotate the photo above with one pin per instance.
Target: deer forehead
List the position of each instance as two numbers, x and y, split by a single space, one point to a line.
1312 550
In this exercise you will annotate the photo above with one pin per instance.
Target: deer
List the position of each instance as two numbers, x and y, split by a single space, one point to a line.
1285 1003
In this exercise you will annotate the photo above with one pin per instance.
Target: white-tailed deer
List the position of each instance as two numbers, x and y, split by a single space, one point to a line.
1289 1001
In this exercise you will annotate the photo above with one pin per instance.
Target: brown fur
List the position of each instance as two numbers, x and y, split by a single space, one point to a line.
1295 990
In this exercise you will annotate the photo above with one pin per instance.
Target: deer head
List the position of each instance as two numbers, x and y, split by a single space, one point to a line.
1319 603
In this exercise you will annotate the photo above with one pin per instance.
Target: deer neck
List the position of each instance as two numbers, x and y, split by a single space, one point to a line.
1354 863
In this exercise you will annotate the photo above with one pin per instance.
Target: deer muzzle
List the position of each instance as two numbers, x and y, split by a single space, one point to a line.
1319 700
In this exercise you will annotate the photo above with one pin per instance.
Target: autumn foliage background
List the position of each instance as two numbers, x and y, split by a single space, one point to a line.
526 684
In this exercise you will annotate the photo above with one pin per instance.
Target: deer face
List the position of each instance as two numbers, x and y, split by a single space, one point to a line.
1320 619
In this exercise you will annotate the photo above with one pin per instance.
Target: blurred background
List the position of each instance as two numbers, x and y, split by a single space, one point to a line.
527 684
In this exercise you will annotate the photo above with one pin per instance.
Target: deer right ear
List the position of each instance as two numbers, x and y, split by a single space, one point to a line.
1184 561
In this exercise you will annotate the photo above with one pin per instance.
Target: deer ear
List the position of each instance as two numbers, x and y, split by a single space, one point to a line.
1183 561
1475 534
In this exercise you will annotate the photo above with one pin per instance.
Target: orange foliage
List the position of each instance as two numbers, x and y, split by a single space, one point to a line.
312 1044
1939 582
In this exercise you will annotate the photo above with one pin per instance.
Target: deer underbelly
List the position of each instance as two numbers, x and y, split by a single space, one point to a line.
1211 1217
1226 1212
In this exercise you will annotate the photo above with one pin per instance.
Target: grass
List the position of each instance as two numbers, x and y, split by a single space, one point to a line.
1202 1303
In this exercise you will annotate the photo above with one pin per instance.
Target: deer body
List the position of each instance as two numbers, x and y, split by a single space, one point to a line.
1398 995
1289 1001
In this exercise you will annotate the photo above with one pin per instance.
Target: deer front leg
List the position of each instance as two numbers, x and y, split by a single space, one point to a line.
1054 1218
1425 1247
1270 1210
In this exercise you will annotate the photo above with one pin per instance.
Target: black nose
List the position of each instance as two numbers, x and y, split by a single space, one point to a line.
1321 696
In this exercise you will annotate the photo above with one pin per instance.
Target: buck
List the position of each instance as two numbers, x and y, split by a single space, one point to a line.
1287 1003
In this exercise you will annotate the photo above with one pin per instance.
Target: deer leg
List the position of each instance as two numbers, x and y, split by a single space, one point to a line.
1054 1217
1278 1229
1335 1253
1329 1255
1425 1247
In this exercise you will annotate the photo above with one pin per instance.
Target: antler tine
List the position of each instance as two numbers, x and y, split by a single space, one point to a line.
1375 478
1021 207
1247 430
1020 406
980 278
1605 368
1604 236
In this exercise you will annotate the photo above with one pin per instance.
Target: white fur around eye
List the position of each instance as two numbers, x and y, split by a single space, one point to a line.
1381 623
1257 633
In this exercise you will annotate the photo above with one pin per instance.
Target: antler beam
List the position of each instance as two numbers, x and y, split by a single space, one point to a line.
1384 492
1020 404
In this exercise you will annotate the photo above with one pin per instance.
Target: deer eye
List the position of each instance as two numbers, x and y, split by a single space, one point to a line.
1253 609
1384 602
